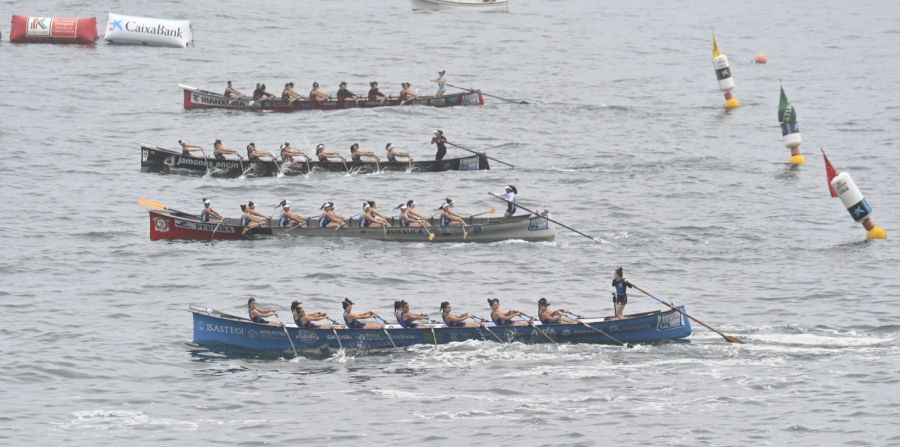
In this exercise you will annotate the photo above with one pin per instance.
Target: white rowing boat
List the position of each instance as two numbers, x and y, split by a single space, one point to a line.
461 5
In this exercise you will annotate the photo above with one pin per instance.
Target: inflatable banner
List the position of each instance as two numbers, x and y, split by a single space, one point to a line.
148 31
53 29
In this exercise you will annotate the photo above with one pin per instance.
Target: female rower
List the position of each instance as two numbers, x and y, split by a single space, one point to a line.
287 152
510 198
209 215
305 320
248 219
455 320
316 94
251 207
187 149
257 315
393 153
407 93
231 92
220 152
289 94
254 154
375 94
324 155
412 217
449 217
330 218
620 296
354 319
548 316
356 154
502 318
371 217
344 94
438 138
288 217
406 318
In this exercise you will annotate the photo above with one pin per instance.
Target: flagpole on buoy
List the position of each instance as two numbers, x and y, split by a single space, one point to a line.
790 130
723 74
841 185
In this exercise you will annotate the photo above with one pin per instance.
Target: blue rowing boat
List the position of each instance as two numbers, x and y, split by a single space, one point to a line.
228 333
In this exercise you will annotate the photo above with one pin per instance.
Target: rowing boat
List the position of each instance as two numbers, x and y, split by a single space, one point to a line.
176 225
461 5
223 332
168 161
195 98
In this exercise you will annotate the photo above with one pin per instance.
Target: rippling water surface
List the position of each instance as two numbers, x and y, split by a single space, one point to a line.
624 138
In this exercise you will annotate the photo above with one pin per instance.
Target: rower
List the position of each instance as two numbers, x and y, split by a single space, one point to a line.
510 197
330 218
438 138
371 217
393 153
441 82
449 217
257 92
408 319
356 154
354 319
407 93
289 153
288 217
248 220
305 320
409 217
343 93
324 155
209 215
375 94
548 316
455 320
257 315
232 93
254 154
186 149
265 94
620 296
220 152
289 94
502 318
316 94
251 207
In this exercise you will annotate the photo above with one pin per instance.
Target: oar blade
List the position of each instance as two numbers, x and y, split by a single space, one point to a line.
493 210
151 204
733 339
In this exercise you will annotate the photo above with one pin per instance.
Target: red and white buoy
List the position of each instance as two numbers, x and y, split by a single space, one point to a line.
844 187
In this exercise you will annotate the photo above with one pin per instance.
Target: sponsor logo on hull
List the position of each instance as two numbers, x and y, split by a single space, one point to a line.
670 321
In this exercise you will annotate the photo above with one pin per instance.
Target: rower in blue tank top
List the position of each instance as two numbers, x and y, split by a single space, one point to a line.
449 216
408 319
209 215
548 316
306 320
503 318
354 320
256 314
330 218
371 217
289 218
452 320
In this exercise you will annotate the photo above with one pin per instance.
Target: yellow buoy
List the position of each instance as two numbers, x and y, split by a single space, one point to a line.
797 159
876 233
732 103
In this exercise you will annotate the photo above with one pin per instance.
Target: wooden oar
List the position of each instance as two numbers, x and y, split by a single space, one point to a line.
543 217
288 335
336 336
728 338
479 153
577 318
490 211
482 320
431 324
384 328
487 94
159 206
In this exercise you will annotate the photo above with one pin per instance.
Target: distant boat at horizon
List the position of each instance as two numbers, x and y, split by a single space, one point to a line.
461 5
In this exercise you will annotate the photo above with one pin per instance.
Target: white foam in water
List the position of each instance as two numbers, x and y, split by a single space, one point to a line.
848 340
121 419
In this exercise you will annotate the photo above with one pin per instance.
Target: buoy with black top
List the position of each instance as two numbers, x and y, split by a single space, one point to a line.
723 74
841 185
790 130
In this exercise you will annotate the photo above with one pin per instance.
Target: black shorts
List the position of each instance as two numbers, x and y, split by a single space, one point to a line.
620 299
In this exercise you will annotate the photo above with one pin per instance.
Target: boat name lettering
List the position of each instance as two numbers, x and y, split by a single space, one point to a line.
203 227
203 99
468 164
538 224
470 99
404 231
307 336
161 30
670 321
210 327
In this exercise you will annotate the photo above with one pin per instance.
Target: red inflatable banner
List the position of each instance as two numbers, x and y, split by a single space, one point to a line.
53 29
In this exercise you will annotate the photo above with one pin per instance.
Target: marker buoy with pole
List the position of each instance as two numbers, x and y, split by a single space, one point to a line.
723 74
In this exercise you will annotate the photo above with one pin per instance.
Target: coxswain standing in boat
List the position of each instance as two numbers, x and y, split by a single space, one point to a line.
258 315
232 93
375 94
620 296
441 82
287 152
209 215
344 94
288 217
354 320
316 94
412 217
324 155
289 94
356 154
408 319
548 316
186 149
220 152
393 153
407 93
438 138
255 154
371 217
305 320
449 217
248 219
510 197
330 218
504 318
452 320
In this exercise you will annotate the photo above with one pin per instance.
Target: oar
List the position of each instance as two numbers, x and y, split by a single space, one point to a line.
728 338
384 328
158 206
336 336
543 217
577 318
279 173
531 323
482 320
490 211
288 336
486 94
479 153
431 324
205 159
216 228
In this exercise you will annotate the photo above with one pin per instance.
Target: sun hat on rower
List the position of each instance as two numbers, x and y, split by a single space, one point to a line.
250 204
315 84
320 146
410 202
389 146
326 205
439 132
205 201
366 205
512 188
